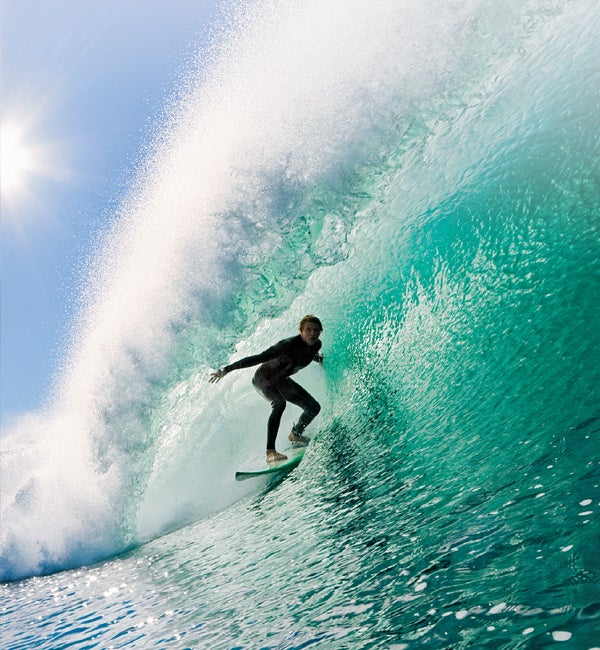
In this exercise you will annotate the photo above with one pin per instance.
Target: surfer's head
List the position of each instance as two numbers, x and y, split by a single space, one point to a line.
310 319
310 329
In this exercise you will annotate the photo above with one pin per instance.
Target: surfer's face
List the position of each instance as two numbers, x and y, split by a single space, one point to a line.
310 333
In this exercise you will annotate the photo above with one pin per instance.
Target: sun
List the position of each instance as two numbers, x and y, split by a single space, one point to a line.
30 165
17 161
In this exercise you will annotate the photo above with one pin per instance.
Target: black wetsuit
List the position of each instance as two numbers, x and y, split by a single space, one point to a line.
272 380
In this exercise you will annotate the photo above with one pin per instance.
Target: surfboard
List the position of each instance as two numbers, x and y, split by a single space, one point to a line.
260 468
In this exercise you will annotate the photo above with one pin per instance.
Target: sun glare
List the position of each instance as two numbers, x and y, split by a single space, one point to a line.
28 161
17 160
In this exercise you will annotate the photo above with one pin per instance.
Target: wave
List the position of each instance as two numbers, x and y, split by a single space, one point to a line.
421 175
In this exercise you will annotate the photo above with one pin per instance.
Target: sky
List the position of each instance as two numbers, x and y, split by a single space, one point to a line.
82 84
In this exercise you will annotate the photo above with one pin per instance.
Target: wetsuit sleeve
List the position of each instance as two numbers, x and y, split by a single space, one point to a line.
255 359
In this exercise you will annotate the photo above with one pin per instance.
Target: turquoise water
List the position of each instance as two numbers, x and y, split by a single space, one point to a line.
425 178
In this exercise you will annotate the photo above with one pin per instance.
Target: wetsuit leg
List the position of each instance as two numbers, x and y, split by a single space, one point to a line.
273 395
295 394
277 394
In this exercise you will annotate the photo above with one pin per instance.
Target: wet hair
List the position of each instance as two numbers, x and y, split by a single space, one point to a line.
309 319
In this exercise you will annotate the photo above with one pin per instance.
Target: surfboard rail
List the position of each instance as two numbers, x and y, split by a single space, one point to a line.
294 456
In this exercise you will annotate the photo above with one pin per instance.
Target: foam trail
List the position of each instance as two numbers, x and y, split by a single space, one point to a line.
222 230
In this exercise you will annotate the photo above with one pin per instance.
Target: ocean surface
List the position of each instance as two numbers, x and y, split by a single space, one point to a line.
422 175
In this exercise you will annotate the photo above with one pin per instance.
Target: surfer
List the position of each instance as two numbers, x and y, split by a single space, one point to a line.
272 381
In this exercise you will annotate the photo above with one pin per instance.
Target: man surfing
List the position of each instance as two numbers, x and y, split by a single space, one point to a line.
272 381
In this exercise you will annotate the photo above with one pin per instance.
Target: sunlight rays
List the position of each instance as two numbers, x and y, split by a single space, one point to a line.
29 160
17 161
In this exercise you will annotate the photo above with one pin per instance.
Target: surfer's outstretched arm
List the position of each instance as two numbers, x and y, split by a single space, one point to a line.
247 362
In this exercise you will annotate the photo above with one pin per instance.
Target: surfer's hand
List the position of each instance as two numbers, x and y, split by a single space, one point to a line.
216 376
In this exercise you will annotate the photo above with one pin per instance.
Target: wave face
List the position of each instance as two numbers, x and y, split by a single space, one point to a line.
421 175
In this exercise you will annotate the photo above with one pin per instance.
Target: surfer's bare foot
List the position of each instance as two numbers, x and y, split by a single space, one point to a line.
298 441
273 456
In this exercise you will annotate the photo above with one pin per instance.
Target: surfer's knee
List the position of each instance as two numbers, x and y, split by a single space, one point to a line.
315 408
